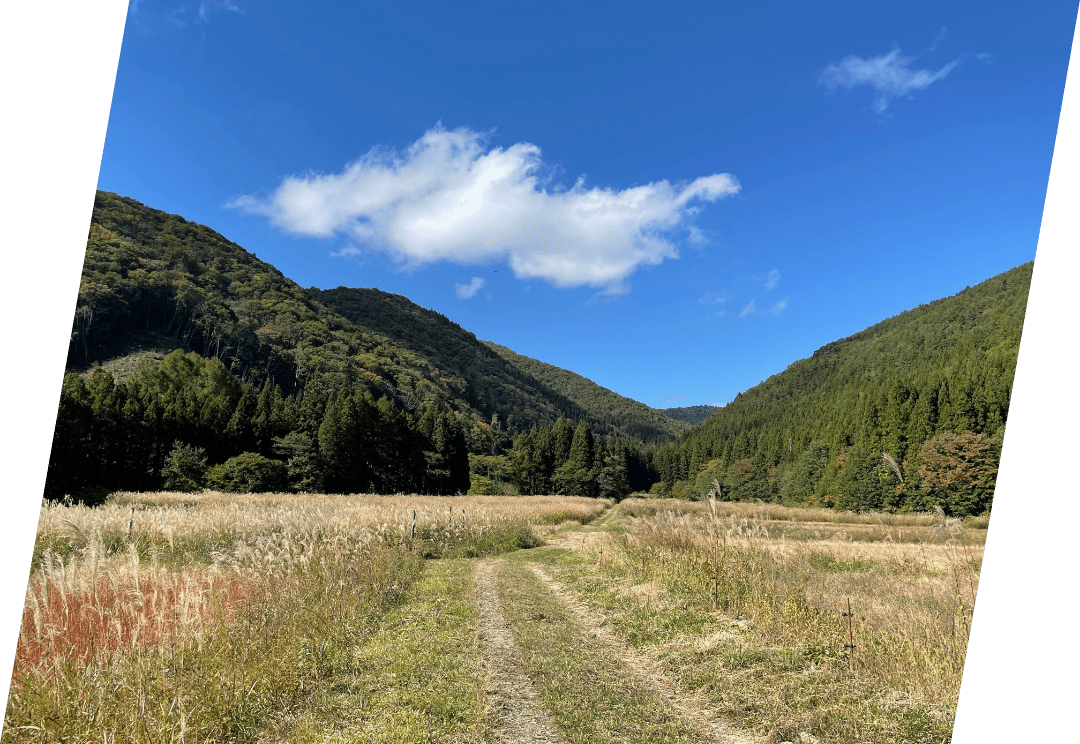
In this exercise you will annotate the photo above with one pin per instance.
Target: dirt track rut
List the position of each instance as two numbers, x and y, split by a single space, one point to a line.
516 715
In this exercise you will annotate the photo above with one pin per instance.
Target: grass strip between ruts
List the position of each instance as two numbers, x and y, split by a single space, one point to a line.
418 679
590 698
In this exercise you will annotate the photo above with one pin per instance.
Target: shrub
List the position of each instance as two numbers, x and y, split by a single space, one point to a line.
959 471
185 468
481 486
249 472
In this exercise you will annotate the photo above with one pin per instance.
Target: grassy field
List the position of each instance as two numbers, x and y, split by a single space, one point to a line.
767 639
268 618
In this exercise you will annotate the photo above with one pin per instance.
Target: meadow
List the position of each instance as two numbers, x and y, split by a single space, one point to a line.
179 617
187 617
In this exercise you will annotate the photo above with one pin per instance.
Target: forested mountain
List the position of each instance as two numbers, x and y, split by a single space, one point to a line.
148 271
609 409
266 388
907 413
192 363
690 414
492 385
223 372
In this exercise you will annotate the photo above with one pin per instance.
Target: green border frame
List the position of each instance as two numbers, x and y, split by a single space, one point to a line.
61 64
1017 682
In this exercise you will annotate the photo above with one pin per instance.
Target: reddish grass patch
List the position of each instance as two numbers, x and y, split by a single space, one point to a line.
96 623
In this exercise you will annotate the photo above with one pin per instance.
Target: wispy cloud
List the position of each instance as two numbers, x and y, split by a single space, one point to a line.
208 6
889 74
772 279
696 236
467 291
778 307
448 197
677 396
751 307
715 298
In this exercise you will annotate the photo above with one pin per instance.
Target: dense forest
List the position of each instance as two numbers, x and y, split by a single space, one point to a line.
907 414
257 384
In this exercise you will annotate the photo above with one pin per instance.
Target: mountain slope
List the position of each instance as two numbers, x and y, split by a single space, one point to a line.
897 390
520 390
603 405
153 278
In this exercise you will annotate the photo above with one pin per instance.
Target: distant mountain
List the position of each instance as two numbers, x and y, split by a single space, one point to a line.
690 414
611 409
192 363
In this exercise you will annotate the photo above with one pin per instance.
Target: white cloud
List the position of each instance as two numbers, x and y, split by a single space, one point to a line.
449 198
778 307
466 291
888 74
752 307
772 279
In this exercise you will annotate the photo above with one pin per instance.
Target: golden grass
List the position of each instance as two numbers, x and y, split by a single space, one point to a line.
262 592
169 515
912 599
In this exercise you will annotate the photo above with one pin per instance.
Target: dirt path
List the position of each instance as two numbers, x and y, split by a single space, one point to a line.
693 707
517 717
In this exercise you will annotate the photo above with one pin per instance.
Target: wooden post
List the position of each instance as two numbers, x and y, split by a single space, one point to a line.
450 519
131 523
850 641
412 534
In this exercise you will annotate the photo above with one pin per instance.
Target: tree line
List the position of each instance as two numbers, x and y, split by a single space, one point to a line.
186 423
563 459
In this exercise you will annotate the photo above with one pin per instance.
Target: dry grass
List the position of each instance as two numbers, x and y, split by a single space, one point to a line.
172 515
784 577
257 597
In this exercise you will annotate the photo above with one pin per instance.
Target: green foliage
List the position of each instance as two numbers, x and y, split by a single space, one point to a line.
958 471
566 460
185 468
249 472
264 367
480 486
302 461
846 427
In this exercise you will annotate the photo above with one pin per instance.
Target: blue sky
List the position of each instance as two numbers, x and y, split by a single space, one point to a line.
676 200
